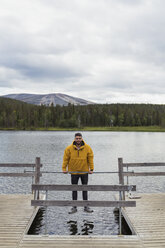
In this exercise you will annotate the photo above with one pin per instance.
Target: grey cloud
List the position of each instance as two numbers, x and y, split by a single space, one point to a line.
87 47
126 2
57 72
33 71
40 67
119 85
5 83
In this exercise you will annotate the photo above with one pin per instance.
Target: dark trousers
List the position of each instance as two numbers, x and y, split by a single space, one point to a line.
84 180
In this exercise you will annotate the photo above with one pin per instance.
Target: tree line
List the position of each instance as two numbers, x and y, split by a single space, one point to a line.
17 114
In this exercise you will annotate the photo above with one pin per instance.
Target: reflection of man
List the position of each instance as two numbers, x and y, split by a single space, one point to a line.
78 157
86 228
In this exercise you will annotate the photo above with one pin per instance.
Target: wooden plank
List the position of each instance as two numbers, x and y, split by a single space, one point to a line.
136 174
83 203
17 174
142 164
80 241
55 187
18 165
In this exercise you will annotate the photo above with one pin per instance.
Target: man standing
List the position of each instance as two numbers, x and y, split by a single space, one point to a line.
78 157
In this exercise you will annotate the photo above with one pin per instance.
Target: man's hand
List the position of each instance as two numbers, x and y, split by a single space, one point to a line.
90 172
65 172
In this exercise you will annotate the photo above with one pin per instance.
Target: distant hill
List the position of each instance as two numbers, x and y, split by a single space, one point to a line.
48 99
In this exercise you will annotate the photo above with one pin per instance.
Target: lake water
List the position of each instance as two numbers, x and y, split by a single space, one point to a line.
24 146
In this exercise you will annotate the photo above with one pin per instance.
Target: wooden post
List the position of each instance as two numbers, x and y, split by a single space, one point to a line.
120 167
37 173
121 176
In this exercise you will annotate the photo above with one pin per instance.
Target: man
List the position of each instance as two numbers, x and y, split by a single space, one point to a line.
78 157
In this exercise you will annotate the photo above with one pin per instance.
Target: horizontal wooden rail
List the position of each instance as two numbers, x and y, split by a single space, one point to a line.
55 187
19 165
142 164
17 174
35 174
136 174
84 203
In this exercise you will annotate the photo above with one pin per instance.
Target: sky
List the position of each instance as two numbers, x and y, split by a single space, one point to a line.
105 51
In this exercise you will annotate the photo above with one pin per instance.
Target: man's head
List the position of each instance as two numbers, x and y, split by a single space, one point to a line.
78 138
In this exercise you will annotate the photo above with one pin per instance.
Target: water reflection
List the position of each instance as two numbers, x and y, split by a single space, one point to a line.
86 228
72 227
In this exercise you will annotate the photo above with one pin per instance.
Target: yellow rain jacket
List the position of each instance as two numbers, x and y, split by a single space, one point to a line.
78 159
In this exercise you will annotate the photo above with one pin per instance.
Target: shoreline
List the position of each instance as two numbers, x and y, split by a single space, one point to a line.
107 129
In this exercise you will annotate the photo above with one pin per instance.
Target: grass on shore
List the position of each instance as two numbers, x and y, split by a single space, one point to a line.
111 129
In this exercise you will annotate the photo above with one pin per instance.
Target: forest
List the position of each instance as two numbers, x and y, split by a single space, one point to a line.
19 115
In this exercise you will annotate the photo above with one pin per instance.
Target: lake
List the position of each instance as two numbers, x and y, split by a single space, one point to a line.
24 146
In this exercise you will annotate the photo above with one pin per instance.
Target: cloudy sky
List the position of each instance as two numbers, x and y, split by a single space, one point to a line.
101 50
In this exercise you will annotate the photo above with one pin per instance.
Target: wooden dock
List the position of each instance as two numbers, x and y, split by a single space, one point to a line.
147 221
16 214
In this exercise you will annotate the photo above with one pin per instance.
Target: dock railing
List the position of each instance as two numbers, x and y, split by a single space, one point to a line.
35 174
128 174
62 203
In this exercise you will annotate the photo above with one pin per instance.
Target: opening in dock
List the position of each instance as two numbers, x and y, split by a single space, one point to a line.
79 223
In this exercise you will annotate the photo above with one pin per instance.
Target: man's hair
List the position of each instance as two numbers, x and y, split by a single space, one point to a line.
78 134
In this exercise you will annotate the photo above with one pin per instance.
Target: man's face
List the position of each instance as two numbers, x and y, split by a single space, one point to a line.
78 140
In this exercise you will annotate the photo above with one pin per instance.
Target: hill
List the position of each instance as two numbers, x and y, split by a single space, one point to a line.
48 99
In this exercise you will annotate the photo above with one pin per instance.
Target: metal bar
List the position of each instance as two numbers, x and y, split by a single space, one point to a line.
98 172
120 223
46 217
78 172
84 203
32 179
55 187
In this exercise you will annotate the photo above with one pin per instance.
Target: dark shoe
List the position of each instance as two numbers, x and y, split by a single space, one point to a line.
88 210
73 210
